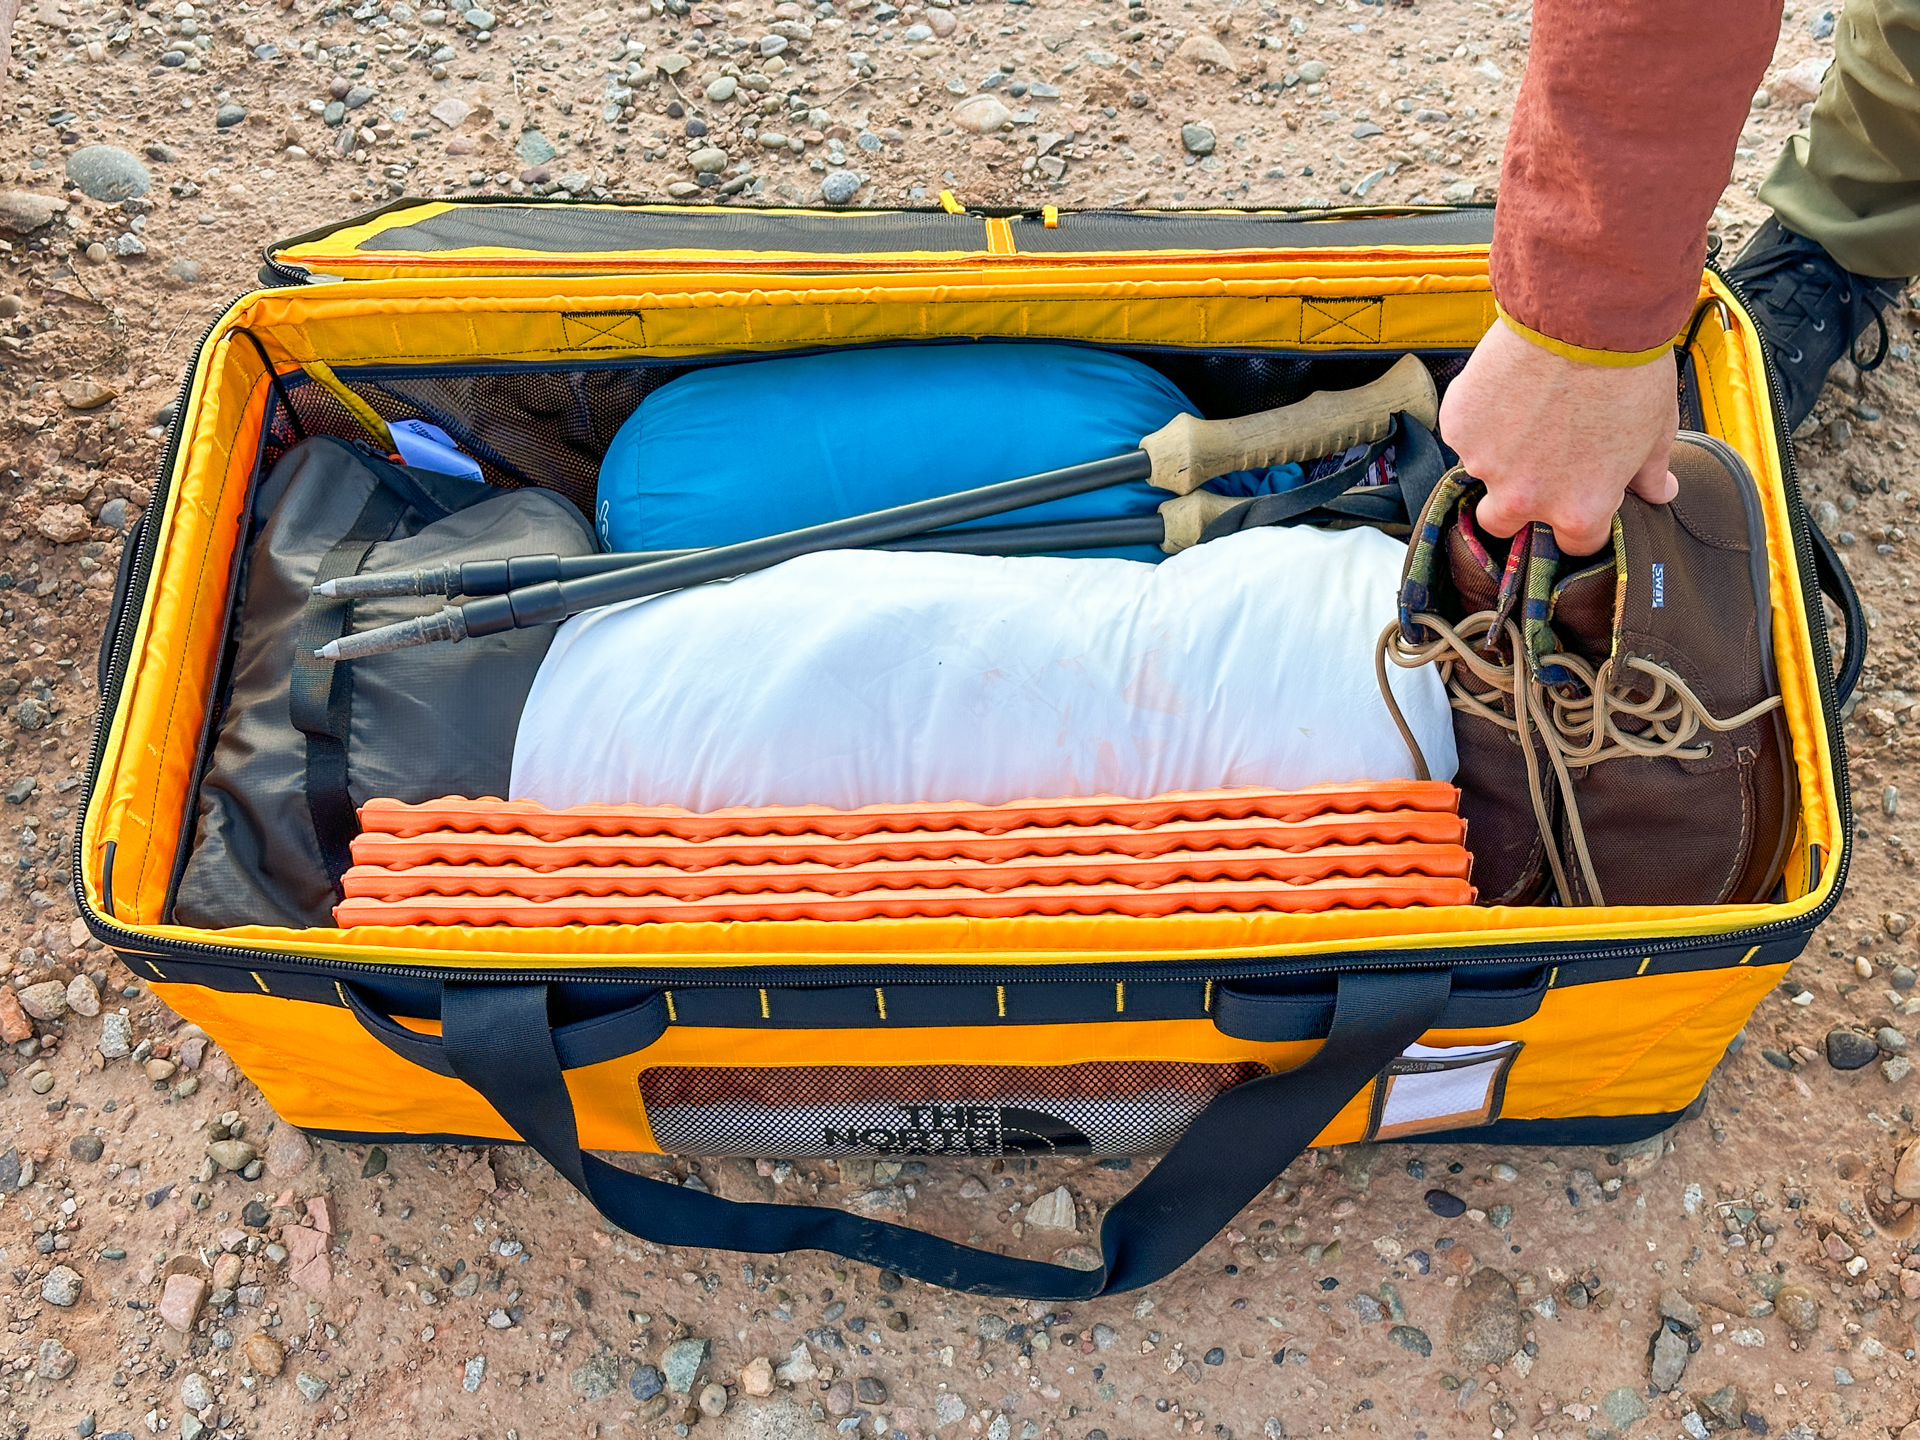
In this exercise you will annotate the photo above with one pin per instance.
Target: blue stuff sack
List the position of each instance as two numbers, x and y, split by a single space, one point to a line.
737 451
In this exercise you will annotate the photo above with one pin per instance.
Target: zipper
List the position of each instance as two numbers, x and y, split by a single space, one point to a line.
129 942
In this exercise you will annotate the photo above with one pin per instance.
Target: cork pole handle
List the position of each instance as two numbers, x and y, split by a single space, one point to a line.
1188 451
1186 517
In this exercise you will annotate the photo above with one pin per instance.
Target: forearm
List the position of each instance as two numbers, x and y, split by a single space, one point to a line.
1621 143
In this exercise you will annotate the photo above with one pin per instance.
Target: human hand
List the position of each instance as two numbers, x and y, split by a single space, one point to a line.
1560 441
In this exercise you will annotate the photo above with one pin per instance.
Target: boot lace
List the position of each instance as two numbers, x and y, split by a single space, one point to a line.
1576 726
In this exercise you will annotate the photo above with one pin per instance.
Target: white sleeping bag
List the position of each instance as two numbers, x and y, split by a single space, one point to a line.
853 677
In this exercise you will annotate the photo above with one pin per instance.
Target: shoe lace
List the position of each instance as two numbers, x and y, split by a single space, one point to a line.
1576 725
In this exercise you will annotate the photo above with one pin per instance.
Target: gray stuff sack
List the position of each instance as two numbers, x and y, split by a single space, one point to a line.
303 742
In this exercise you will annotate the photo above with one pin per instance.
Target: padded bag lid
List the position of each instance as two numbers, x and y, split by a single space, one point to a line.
304 742
734 452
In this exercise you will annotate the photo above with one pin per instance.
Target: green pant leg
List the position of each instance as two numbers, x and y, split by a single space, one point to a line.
1852 182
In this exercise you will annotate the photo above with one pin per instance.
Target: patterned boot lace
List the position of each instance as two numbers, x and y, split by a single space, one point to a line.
1575 730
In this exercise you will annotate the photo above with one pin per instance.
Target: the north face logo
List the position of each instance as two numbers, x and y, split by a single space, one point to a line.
965 1130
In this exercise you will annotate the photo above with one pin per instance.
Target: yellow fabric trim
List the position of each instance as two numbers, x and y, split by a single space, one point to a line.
369 418
999 237
951 205
1586 354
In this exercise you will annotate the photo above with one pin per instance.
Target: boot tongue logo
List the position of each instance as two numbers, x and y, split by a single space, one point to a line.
1659 585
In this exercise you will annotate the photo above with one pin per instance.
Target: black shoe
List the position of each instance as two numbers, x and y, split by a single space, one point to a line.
1810 310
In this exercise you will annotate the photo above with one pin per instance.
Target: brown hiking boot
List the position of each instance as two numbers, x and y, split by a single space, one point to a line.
1671 805
1475 582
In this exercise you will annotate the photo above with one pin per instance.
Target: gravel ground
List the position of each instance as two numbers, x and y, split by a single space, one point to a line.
180 1261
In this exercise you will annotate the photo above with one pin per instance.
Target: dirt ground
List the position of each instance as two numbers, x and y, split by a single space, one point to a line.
434 1291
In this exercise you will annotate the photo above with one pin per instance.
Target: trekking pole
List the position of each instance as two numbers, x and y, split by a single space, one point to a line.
496 577
1180 456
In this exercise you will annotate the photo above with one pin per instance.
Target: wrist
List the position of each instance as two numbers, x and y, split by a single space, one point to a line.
1582 354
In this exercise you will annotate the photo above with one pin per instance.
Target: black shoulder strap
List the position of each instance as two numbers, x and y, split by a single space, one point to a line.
320 697
1419 462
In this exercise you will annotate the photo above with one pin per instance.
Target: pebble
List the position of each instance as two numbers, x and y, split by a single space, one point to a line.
756 1377
1105 1337
722 89
1850 1050
1445 1204
61 1287
1675 1306
1669 1361
713 1401
14 1024
86 1148
798 1368
680 1364
1624 1408
232 1154
1366 130
1896 1069
1409 1337
62 524
106 172
1203 50
310 1386
374 1164
1053 1211
838 1399
228 116
1901 977
56 1362
82 998
1197 139
982 115
596 1380
181 1298
41 1083
1485 1326
472 1373
870 1391
46 1000
645 1382
116 1036
22 212
196 1391
1795 1305
1906 1175
534 148
708 160
1890 1039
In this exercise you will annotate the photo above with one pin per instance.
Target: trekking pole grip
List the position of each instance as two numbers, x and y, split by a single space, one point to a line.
1188 451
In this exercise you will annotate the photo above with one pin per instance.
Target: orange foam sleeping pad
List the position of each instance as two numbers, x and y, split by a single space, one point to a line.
392 817
1138 871
1215 895
457 847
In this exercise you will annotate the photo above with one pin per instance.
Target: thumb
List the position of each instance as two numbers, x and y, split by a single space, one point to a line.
1654 483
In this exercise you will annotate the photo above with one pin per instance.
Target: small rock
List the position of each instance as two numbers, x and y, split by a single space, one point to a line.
1366 130
61 1287
228 116
310 1386
451 111
870 1391
232 1154
86 1148
798 1368
288 1151
82 998
942 22
982 115
1197 139
1906 1175
374 1164
472 1373
680 1364
1446 1205
1623 1408
534 148
1485 1325
1407 1337
1053 1211
972 1188
1203 50
839 187
1795 1305
196 1391
116 1036
106 172
713 1401
22 211
181 1299
1850 1050
838 1399
45 1000
645 1382
1896 1069
756 1377
1800 84
596 1380
1675 1306
14 1024
708 160
1313 72
722 89
1669 1360
56 1361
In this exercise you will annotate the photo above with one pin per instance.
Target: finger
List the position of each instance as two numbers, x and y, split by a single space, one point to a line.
1655 483
1501 511
1583 537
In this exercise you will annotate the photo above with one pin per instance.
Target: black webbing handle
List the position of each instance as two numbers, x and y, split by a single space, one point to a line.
1838 585
499 1039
